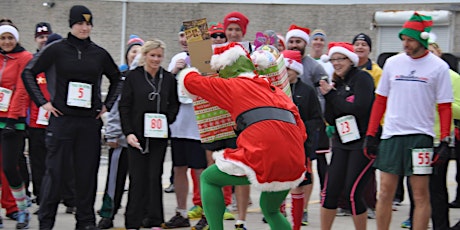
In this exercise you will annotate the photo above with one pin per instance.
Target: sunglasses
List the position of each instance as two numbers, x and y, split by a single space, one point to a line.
221 35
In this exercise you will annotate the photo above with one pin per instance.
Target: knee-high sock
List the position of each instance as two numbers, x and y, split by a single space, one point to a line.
297 210
20 196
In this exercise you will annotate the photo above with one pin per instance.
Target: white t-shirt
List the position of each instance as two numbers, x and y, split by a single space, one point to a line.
185 125
413 88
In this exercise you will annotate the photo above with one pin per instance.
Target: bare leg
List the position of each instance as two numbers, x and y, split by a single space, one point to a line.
242 200
327 218
388 184
421 193
360 221
181 186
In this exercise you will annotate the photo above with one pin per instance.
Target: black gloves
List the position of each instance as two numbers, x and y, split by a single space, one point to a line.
371 145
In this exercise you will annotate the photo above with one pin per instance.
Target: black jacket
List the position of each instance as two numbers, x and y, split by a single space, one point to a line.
306 100
77 60
360 85
134 102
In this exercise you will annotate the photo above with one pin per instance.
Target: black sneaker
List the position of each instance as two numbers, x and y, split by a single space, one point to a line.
177 221
105 223
23 220
13 215
202 224
71 210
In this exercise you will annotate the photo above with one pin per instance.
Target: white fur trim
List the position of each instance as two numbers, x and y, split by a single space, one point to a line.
351 55
297 33
237 168
228 57
325 58
261 59
294 65
180 79
11 30
247 75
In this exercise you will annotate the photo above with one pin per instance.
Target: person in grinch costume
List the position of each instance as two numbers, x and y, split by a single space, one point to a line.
269 154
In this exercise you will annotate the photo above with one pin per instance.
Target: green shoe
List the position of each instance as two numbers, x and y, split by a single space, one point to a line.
228 215
305 219
195 212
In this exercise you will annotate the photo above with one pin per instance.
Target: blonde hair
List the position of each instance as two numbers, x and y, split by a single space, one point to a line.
436 48
148 46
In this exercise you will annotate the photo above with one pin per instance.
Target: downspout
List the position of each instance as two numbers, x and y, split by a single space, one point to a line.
123 32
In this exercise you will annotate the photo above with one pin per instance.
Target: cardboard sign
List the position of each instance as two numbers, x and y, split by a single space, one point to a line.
200 56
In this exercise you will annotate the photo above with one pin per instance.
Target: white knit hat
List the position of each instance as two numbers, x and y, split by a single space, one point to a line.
11 30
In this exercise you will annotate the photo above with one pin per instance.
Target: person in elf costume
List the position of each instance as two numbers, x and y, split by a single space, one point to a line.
269 154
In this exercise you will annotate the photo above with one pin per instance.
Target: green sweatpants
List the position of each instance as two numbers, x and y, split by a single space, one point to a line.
212 181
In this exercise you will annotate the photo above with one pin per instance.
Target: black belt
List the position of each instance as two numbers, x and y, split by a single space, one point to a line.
252 116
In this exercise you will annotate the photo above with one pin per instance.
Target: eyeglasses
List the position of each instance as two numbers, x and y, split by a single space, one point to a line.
221 35
338 59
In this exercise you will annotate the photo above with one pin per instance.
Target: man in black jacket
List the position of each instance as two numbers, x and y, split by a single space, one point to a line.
74 67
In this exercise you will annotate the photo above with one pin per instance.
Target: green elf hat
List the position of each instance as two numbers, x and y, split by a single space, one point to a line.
418 27
232 60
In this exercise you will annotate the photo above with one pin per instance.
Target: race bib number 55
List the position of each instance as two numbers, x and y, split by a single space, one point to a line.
421 161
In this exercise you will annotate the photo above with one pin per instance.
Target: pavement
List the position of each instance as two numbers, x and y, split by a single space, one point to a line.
254 217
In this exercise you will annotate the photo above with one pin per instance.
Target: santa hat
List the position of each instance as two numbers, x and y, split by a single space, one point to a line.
238 18
232 60
216 28
43 28
11 30
281 40
344 48
418 27
293 60
300 32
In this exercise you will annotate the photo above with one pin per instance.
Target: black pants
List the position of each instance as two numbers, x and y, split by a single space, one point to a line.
115 184
12 143
349 172
145 171
37 156
439 198
79 139
457 176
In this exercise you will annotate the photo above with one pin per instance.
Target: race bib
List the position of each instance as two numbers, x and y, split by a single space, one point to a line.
79 95
5 97
43 116
421 161
183 98
347 128
155 125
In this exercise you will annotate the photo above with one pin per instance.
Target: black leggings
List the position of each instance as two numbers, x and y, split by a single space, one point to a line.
349 172
11 143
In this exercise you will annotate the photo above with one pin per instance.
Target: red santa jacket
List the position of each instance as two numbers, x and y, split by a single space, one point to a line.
270 152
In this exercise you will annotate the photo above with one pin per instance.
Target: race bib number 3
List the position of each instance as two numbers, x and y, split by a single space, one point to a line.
43 116
347 128
155 125
5 97
79 95
421 161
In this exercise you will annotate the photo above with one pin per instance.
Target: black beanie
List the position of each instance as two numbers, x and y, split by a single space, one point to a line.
80 13
363 37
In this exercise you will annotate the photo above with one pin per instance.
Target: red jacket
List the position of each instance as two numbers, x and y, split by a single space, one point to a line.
41 81
11 66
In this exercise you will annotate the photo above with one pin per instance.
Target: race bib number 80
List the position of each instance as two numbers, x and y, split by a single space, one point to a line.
155 125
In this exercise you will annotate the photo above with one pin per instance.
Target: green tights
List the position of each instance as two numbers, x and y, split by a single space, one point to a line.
212 181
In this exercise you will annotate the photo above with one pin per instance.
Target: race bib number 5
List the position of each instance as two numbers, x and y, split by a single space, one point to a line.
421 161
79 94
5 97
155 125
347 128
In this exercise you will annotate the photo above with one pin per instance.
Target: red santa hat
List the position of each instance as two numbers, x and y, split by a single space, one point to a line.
281 40
293 60
216 28
344 48
300 32
237 18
